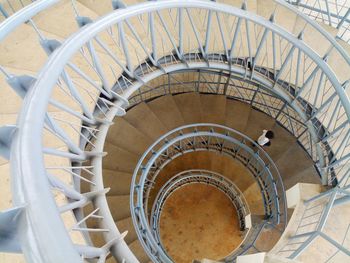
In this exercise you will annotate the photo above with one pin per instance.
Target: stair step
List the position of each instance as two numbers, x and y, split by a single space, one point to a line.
142 118
60 18
283 16
237 173
313 38
126 136
5 179
237 114
119 206
167 111
98 6
119 159
308 175
190 107
138 251
338 63
213 108
126 224
23 45
119 182
293 162
221 164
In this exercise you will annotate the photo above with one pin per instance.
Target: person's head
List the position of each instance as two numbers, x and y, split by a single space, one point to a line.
269 134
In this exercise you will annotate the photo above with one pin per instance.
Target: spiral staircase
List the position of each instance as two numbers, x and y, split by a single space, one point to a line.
111 108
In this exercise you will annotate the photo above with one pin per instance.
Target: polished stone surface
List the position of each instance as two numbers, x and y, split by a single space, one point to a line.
199 221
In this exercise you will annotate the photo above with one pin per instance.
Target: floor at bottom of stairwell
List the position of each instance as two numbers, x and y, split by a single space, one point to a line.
199 221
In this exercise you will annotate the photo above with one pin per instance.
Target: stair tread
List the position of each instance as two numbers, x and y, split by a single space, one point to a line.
18 47
119 159
339 64
237 114
142 118
119 182
126 224
221 164
98 6
167 111
293 162
314 39
60 18
213 108
125 135
251 4
139 252
308 175
111 260
190 107
119 206
283 16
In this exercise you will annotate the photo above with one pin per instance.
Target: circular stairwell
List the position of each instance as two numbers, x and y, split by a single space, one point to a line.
146 122
23 54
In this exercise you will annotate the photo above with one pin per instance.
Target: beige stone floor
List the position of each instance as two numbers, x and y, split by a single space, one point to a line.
199 221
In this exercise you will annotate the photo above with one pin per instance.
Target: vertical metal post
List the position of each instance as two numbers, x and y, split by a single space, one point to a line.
125 47
3 11
181 32
207 35
153 37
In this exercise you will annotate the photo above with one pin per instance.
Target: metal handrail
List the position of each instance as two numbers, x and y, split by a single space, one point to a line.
199 176
328 12
169 87
314 24
31 126
23 15
143 177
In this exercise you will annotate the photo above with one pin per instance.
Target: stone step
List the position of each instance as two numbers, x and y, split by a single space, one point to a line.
251 4
237 114
126 136
167 111
119 159
213 108
101 7
119 182
138 251
293 162
308 175
60 18
283 16
189 105
126 224
119 206
143 119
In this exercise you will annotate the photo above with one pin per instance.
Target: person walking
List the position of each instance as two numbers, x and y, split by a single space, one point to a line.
265 137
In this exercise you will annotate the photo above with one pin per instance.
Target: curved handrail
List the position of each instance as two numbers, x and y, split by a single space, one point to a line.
33 113
23 15
199 176
165 88
318 27
156 150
